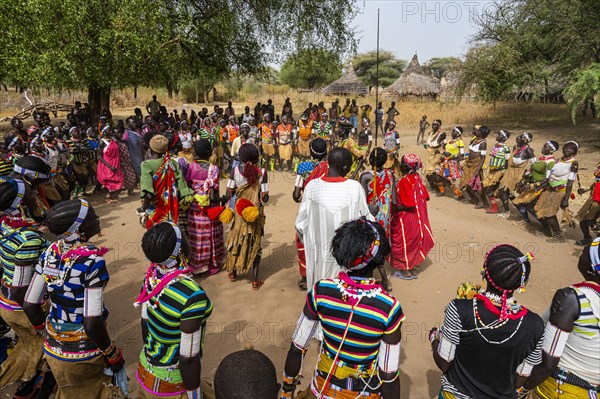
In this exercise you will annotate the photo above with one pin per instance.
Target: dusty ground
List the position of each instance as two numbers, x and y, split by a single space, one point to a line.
266 319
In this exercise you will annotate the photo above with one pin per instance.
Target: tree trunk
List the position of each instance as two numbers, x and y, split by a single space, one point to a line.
135 90
176 89
170 89
98 100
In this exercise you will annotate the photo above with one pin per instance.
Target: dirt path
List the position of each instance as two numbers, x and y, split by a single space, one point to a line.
266 319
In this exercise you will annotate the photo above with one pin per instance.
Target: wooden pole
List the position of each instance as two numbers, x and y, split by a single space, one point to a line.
377 83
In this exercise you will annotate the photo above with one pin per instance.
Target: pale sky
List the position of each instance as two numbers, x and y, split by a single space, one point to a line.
433 28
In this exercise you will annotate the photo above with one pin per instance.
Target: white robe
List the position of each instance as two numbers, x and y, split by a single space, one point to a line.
325 207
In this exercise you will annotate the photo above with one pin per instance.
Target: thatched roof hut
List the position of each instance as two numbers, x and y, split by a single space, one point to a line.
349 83
415 81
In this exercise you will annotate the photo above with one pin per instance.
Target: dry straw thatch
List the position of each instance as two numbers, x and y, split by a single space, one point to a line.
415 81
349 83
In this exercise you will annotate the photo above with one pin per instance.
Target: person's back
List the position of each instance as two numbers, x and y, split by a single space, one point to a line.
485 361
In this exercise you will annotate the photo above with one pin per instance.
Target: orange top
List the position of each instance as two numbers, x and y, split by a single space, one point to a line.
266 132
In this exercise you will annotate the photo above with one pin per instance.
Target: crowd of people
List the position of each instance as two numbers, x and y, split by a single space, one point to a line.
360 206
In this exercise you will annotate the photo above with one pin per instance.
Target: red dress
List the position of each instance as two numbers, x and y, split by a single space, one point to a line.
410 237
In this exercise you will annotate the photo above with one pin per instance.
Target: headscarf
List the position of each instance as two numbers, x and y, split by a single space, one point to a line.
159 144
412 161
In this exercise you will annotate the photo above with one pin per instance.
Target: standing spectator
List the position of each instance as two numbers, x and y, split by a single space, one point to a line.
258 112
245 117
271 109
183 116
229 111
333 114
391 114
354 114
153 107
346 109
379 117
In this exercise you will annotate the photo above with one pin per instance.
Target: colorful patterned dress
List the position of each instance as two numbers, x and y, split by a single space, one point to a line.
380 194
206 236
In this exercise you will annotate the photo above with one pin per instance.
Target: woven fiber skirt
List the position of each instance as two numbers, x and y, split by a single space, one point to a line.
83 379
589 210
304 148
549 202
514 174
27 356
527 197
469 168
268 149
493 178
285 152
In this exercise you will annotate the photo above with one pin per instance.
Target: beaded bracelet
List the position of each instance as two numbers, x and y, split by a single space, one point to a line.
113 354
436 334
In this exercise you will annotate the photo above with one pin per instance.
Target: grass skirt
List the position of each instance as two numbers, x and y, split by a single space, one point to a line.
493 178
285 152
304 148
83 379
27 356
432 160
244 238
527 197
549 202
513 175
589 210
268 149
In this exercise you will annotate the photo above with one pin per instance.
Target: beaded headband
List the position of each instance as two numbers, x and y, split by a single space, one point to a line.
20 185
30 173
315 152
523 260
503 134
457 130
13 142
595 255
362 261
549 143
573 142
172 260
73 231
527 137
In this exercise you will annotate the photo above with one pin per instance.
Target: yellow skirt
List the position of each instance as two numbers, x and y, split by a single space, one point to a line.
304 148
27 356
268 149
551 389
549 203
285 152
433 158
514 174
527 197
469 168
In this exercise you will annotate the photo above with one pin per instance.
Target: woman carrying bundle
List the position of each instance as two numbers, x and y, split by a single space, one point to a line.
73 274
249 184
21 245
557 186
205 235
360 354
174 313
488 345
522 156
528 189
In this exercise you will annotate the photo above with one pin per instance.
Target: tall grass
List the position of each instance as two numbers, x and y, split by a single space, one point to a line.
501 115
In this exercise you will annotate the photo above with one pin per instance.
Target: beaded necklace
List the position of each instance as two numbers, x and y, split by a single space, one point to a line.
492 326
520 150
158 278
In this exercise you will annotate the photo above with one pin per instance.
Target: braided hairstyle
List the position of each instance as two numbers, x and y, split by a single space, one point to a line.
353 239
504 269
159 242
248 154
378 158
62 216
203 149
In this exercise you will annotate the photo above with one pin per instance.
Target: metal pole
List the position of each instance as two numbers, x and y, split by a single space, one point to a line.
377 82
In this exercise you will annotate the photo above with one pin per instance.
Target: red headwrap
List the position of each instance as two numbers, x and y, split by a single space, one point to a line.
413 161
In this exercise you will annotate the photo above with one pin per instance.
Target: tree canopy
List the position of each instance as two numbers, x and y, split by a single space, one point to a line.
390 68
311 68
103 44
534 45
440 65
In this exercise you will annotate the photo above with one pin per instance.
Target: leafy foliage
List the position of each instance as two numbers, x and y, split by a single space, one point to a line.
311 68
585 86
439 66
390 68
104 44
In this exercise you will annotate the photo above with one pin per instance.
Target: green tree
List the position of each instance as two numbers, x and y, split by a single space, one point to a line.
390 68
538 43
311 68
99 45
440 65
584 87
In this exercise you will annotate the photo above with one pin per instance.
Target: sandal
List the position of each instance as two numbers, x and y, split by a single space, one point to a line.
232 277
402 276
257 284
302 284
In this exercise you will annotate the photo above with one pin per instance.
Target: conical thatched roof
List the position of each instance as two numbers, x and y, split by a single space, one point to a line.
349 83
415 81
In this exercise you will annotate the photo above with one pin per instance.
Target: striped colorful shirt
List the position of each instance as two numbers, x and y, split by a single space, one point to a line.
179 301
499 156
6 167
21 246
68 281
333 301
